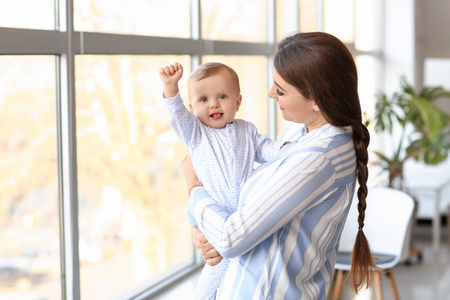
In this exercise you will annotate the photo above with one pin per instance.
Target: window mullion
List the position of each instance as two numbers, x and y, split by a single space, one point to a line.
320 15
271 38
68 157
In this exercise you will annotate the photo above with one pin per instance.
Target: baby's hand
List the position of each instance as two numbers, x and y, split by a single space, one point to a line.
170 75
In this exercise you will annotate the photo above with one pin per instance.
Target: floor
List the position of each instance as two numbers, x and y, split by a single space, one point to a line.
428 279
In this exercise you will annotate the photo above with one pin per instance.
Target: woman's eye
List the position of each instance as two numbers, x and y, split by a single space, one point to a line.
222 97
279 93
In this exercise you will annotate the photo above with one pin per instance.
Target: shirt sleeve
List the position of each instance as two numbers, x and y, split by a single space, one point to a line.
270 201
182 121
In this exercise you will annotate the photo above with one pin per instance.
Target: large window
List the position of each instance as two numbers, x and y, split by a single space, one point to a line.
92 205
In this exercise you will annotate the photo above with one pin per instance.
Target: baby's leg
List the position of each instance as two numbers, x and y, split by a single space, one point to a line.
210 280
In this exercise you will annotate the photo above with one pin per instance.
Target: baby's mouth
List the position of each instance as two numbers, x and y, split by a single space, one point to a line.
216 115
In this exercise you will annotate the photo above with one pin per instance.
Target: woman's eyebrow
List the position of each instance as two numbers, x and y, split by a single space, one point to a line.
279 86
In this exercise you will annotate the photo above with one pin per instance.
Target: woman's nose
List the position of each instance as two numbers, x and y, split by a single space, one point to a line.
272 93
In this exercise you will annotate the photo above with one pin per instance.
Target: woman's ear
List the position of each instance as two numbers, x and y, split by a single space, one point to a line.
315 107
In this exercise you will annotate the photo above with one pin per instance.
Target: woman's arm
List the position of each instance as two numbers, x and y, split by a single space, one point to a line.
210 255
271 197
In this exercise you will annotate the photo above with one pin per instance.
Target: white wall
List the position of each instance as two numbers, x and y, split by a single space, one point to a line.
433 44
436 27
416 30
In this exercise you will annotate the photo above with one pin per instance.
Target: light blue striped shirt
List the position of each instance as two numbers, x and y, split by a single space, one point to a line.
283 238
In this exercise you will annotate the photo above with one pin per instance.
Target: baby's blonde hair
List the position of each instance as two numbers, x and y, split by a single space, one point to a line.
212 68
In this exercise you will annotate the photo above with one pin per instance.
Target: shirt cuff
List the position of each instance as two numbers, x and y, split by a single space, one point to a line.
174 101
197 194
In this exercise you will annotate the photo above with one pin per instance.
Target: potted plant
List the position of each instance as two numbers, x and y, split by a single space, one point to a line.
423 129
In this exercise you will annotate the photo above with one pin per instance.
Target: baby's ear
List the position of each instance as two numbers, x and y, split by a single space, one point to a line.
238 103
190 106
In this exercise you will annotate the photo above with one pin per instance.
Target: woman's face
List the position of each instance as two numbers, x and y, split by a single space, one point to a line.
293 105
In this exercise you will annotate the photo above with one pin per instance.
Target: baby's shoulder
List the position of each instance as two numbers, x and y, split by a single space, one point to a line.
244 125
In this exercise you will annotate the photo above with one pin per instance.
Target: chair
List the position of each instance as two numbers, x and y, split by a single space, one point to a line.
387 218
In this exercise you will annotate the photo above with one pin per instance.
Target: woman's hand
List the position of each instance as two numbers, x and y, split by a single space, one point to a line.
210 255
188 172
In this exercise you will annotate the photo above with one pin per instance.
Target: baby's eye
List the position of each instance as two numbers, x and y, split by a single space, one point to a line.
203 99
279 93
222 96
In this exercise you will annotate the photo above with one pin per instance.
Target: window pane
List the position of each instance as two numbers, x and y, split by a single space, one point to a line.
132 201
281 122
367 29
286 18
160 18
369 83
280 28
308 15
234 20
252 72
338 19
29 222
35 14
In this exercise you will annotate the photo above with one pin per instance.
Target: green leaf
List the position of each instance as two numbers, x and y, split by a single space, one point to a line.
382 156
431 117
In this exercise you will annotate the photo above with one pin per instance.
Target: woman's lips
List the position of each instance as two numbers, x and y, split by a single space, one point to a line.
281 107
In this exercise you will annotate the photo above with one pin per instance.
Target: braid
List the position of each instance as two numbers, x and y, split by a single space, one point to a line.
361 141
362 261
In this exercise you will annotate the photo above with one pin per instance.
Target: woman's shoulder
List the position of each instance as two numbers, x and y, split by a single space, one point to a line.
321 138
321 145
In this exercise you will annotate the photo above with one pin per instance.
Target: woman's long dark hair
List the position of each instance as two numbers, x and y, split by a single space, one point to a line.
322 68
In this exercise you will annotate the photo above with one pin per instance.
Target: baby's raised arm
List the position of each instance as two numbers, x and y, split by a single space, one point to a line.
170 75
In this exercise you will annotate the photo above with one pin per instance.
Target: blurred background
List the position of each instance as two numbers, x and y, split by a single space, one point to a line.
92 205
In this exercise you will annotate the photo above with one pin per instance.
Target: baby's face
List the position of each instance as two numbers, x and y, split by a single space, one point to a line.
215 99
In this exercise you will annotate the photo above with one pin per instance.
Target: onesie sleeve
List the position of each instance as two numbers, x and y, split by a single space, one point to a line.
183 122
265 147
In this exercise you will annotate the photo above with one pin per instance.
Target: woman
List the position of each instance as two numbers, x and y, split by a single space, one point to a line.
283 238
